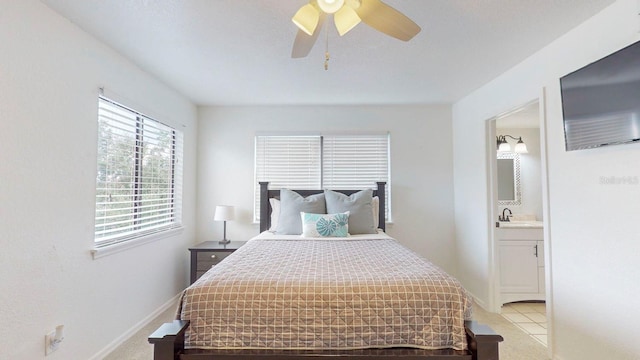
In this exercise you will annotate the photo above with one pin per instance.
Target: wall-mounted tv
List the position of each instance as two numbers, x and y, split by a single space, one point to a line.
601 101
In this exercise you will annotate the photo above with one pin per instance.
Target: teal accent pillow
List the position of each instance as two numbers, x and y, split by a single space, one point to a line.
325 225
360 208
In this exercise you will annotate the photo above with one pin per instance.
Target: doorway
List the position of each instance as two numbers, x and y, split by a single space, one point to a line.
519 195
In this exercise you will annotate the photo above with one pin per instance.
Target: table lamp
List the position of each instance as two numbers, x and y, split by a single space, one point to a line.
224 213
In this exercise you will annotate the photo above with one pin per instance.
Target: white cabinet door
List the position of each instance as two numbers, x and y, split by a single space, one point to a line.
518 266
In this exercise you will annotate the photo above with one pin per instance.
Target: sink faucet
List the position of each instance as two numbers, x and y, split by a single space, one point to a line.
505 217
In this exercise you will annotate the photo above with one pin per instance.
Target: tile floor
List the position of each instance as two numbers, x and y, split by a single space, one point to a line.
530 317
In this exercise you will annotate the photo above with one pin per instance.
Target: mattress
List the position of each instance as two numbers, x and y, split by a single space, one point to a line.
359 292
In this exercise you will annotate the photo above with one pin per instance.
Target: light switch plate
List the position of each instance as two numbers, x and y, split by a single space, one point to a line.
49 346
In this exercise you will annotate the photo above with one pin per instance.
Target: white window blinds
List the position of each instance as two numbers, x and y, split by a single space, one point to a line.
291 162
354 162
288 161
139 179
317 162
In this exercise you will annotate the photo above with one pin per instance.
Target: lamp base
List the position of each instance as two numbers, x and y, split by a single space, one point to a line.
224 240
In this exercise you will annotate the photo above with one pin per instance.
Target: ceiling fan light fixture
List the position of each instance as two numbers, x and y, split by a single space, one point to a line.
347 14
354 4
346 19
330 6
306 19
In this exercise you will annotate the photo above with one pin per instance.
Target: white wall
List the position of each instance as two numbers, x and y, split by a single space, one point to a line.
421 166
594 238
50 72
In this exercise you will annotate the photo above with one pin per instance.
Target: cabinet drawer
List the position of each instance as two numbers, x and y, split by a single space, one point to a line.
207 259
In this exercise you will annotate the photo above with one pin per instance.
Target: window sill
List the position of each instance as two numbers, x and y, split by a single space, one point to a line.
116 248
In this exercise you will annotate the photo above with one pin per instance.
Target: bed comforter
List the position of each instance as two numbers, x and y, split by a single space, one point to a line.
342 293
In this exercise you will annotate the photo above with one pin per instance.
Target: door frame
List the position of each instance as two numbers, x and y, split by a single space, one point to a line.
492 195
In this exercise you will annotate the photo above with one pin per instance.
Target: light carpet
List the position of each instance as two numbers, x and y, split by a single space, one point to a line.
516 345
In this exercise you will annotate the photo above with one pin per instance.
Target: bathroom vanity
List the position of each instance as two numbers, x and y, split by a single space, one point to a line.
521 261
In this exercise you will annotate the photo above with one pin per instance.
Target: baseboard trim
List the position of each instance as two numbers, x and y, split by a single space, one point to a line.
129 333
479 302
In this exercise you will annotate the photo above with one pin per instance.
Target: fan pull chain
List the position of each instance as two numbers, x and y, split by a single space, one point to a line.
326 60
326 52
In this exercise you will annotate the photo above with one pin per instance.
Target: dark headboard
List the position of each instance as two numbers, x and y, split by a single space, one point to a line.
266 194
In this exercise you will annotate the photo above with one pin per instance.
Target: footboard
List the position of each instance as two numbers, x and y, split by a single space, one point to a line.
168 344
482 341
168 340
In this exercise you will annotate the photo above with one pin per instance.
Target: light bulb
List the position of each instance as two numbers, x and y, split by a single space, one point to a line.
330 6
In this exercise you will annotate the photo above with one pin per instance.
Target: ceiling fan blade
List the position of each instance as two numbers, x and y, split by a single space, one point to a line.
346 19
386 19
303 43
307 17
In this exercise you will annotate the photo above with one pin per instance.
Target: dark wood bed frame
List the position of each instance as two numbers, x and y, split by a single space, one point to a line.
168 339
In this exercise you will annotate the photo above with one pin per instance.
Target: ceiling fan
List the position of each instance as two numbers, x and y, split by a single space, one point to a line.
346 15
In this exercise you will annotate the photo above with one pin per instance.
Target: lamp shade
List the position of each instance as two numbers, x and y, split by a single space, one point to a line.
224 213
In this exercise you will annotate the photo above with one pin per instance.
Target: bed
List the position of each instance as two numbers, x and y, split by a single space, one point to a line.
360 296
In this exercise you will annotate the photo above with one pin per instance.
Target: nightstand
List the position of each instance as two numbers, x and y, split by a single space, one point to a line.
206 254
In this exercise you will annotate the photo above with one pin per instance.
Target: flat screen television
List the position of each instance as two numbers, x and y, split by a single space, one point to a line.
601 101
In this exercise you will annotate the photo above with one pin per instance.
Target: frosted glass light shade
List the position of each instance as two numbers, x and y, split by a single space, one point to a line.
306 19
521 147
346 19
504 147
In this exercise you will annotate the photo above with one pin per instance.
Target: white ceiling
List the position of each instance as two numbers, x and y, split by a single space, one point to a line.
237 52
527 116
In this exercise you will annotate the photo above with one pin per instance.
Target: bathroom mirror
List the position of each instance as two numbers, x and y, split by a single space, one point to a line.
509 192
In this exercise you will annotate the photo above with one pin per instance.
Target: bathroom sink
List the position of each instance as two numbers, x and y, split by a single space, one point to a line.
531 224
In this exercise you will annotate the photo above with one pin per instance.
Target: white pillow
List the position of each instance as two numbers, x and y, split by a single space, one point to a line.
375 203
275 213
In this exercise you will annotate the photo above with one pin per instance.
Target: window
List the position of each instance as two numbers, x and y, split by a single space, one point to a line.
322 162
289 161
139 178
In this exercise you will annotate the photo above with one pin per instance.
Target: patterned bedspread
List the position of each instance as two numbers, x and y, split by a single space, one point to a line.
348 293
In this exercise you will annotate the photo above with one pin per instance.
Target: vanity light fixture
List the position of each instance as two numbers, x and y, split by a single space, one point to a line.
503 145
